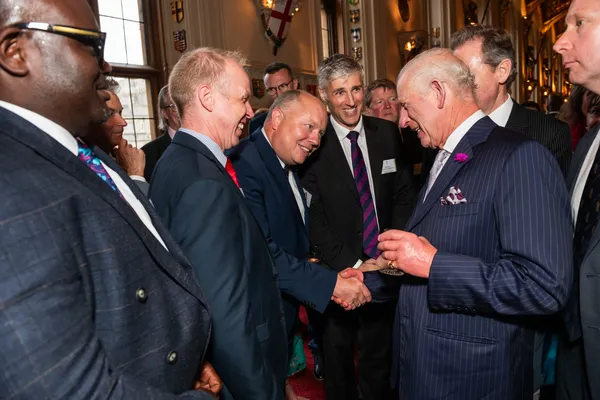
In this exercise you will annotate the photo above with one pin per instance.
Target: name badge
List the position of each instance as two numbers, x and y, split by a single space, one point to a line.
389 166
308 197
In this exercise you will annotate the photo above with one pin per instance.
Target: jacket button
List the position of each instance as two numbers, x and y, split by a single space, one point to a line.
141 295
172 357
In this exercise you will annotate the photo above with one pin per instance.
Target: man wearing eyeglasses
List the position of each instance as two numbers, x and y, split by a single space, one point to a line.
96 300
278 79
168 125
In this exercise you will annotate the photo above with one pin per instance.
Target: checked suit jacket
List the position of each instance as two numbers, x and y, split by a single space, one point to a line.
92 306
502 257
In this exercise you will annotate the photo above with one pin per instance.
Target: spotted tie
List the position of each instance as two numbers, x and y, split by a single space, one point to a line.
361 179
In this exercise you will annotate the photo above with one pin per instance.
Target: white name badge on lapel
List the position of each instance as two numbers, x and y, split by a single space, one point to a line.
389 166
308 197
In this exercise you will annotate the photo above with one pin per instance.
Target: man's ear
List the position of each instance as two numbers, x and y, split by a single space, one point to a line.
503 71
206 97
12 52
440 91
276 118
295 84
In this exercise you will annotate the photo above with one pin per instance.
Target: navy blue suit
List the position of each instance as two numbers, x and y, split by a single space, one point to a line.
207 215
271 200
91 304
257 122
504 256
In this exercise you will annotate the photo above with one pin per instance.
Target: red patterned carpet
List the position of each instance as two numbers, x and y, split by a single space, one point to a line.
304 382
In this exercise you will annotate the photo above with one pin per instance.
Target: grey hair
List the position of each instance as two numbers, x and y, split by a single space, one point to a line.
496 46
442 65
162 121
284 101
338 66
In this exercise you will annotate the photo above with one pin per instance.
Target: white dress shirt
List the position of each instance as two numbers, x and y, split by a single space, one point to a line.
456 136
171 132
208 142
295 189
342 134
62 136
583 175
501 114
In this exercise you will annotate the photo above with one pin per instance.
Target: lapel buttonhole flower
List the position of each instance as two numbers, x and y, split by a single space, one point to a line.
461 157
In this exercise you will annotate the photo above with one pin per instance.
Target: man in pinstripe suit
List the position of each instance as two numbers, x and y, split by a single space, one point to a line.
487 247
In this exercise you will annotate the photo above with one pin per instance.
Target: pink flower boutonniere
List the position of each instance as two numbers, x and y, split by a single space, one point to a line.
461 157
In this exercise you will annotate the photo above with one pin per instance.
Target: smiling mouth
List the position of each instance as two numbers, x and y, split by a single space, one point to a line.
306 149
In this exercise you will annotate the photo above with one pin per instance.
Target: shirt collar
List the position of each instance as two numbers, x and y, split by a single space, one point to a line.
501 114
457 135
171 132
268 141
208 142
55 131
342 131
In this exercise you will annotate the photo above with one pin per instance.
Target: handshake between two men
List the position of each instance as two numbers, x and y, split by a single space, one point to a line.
400 250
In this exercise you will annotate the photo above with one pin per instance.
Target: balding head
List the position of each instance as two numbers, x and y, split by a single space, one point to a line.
436 94
54 74
294 125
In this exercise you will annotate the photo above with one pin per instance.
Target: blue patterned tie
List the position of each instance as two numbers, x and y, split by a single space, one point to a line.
86 155
361 179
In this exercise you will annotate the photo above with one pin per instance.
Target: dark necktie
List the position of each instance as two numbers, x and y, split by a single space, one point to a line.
361 179
86 155
231 171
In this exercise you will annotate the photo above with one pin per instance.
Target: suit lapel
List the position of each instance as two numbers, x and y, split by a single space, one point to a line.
57 154
183 139
274 167
517 121
331 149
375 155
476 135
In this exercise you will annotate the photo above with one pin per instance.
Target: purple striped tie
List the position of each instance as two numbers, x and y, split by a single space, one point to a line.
361 179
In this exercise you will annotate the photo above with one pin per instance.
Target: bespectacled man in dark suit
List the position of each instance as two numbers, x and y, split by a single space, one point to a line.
96 299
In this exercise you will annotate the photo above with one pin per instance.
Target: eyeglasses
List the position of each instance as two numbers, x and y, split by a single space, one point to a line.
87 37
279 88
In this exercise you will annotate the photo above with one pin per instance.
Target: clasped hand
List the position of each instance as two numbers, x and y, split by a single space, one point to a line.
350 292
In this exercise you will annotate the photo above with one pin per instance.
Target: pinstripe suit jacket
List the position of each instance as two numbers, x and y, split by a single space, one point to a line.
503 257
91 305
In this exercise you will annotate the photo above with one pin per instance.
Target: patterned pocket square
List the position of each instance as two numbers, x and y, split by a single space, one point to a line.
455 196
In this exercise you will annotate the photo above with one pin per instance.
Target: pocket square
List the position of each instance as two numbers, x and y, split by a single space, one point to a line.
454 196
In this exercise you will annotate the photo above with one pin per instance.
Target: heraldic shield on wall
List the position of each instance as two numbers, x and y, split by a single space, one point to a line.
276 18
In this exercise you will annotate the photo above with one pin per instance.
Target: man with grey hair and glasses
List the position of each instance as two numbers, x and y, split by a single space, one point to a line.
168 123
484 251
358 187
490 55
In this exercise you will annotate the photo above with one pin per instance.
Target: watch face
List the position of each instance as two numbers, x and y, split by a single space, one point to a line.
404 10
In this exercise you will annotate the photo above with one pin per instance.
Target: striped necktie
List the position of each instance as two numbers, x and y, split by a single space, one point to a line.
361 179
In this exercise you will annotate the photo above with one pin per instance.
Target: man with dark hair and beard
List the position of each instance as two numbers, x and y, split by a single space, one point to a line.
96 300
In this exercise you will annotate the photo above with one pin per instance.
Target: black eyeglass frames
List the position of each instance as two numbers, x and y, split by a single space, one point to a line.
87 37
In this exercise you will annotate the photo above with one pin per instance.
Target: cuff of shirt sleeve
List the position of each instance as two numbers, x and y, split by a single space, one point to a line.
137 178
358 264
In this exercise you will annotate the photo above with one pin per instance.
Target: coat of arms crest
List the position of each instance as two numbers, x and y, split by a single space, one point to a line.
276 17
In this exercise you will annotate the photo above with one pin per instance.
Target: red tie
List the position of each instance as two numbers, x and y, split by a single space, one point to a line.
231 172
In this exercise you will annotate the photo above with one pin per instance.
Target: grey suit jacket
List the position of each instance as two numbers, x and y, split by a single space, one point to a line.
582 314
92 306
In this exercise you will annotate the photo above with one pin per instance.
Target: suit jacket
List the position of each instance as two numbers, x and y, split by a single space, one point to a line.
582 314
93 306
549 131
207 215
336 219
503 256
257 122
153 151
270 198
